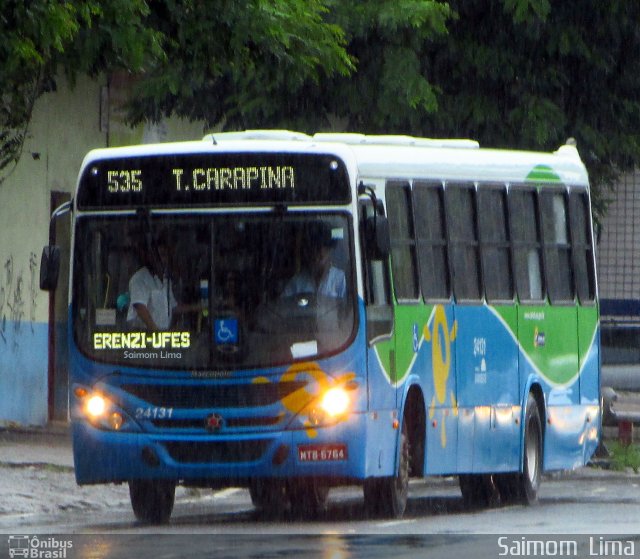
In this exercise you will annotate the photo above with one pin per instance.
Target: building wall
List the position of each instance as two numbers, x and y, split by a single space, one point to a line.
65 125
619 246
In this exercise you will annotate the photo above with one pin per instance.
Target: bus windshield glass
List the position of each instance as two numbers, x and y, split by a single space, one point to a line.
223 291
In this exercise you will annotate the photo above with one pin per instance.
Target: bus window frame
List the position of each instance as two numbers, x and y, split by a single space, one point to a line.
409 242
506 245
464 243
518 188
429 244
376 313
552 272
588 247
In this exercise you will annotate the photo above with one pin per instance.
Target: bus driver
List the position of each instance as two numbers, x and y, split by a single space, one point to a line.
318 275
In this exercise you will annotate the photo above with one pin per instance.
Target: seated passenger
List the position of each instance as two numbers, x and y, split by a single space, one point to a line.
152 304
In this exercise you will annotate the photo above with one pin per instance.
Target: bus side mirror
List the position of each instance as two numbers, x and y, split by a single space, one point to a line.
377 237
49 267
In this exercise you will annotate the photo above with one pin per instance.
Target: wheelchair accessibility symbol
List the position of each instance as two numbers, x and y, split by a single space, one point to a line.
226 331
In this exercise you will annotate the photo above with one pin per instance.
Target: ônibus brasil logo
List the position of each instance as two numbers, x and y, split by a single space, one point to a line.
38 548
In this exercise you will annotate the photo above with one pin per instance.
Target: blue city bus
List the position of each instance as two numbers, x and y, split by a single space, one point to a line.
339 309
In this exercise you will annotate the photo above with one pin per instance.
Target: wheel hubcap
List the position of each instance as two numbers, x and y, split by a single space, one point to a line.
532 453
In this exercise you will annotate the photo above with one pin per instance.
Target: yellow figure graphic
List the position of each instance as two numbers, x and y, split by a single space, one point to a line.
299 400
441 338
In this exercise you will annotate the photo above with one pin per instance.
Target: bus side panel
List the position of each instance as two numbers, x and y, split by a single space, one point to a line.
381 441
572 428
589 345
488 388
381 437
381 384
436 367
549 356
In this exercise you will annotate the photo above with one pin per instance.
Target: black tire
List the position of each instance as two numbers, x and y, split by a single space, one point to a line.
269 496
387 496
478 490
308 498
152 500
522 488
509 488
531 453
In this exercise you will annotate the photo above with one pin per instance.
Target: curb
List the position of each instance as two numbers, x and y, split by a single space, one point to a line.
53 428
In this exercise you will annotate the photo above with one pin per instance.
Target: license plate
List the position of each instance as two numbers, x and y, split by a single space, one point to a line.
322 452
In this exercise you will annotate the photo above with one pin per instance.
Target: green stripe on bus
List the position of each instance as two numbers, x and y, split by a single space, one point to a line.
543 173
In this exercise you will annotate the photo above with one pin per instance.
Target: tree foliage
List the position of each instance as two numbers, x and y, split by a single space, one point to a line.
31 35
532 73
40 38
240 63
510 73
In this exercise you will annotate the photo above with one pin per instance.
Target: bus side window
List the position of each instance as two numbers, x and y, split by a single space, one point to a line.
557 248
431 230
582 246
403 244
495 246
376 282
527 248
464 247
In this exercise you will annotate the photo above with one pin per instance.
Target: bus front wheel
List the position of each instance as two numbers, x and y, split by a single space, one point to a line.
478 490
269 496
387 496
308 498
152 500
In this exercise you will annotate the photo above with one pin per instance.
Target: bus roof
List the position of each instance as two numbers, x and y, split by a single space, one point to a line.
387 156
407 157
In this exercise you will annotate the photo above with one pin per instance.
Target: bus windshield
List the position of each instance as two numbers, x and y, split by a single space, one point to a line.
223 291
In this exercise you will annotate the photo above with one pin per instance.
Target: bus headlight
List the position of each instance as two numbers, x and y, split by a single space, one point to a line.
331 405
102 412
95 406
335 401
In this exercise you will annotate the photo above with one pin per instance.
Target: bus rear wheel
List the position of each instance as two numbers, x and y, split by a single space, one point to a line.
529 480
387 496
152 500
523 487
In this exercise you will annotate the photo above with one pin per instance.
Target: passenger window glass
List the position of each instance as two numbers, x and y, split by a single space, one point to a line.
403 245
557 249
463 242
377 284
527 248
432 241
495 245
582 246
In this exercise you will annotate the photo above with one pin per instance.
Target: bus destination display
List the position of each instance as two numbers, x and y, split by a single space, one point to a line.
204 180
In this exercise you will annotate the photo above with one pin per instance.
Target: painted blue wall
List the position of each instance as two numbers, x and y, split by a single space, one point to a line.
23 372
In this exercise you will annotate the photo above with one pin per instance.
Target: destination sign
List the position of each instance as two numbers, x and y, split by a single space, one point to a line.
213 179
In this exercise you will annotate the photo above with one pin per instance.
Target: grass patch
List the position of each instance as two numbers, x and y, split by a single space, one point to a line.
624 456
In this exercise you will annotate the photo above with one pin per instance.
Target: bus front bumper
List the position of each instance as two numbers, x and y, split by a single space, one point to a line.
349 451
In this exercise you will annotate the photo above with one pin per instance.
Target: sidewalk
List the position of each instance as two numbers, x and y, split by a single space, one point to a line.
24 446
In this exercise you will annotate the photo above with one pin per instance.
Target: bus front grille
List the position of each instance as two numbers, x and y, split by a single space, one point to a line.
194 396
220 452
231 423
